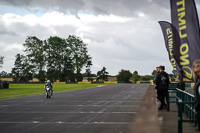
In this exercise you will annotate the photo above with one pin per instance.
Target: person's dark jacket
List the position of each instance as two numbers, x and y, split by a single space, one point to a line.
196 94
49 84
162 81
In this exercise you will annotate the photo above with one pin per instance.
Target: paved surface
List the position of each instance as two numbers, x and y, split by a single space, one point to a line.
105 109
170 121
189 90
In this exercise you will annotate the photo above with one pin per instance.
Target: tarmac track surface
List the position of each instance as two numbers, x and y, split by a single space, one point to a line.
104 109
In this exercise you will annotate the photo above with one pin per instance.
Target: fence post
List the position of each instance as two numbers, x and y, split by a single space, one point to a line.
180 110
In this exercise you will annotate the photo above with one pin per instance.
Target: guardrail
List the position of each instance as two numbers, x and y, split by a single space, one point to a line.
185 102
185 106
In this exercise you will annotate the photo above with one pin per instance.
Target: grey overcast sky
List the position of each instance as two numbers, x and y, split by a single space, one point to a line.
121 34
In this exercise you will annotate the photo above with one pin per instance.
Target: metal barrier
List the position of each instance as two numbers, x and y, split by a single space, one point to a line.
171 95
185 102
185 106
189 112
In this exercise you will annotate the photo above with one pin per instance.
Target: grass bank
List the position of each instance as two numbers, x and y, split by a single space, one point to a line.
18 90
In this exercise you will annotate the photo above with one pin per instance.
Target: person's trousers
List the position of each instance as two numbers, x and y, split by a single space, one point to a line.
162 94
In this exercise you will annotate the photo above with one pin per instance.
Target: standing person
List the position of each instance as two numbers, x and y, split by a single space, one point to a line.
196 78
158 69
162 85
157 72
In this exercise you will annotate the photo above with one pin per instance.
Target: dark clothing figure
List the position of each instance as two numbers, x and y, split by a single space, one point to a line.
162 85
48 84
197 100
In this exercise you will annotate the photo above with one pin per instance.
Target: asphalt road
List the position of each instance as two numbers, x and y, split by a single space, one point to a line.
105 109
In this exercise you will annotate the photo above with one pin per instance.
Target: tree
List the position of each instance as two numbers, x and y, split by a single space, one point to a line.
102 75
41 76
88 71
146 78
135 73
22 71
68 70
154 73
56 51
1 61
63 58
79 55
4 74
135 76
35 51
124 75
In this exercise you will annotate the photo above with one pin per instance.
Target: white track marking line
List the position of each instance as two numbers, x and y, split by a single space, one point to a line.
132 101
107 106
63 122
80 112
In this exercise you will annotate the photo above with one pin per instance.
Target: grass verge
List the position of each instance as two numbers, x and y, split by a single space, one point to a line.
18 90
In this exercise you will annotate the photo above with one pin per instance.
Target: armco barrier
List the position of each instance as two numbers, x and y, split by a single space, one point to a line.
110 82
138 82
58 83
84 82
120 82
97 82
71 82
142 82
146 119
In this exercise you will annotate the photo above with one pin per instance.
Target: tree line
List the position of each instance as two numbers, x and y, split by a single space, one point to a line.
61 59
54 58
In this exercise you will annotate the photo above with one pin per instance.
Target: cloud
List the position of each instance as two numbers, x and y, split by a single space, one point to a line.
113 41
96 7
11 47
121 34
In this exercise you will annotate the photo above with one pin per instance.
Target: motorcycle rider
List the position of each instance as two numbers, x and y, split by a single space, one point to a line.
48 83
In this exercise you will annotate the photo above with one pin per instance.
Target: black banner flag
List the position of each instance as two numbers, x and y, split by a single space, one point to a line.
185 19
172 43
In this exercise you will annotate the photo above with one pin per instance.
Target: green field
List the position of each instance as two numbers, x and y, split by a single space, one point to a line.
18 90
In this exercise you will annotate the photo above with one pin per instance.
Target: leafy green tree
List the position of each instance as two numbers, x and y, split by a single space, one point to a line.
56 58
135 76
146 78
1 61
102 75
154 73
135 73
88 70
22 70
124 75
79 55
4 74
35 51
68 70
56 51
41 76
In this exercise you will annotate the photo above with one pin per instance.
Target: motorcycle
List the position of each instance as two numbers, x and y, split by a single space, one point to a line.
49 91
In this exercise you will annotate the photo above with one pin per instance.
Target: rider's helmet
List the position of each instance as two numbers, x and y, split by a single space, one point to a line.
48 81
